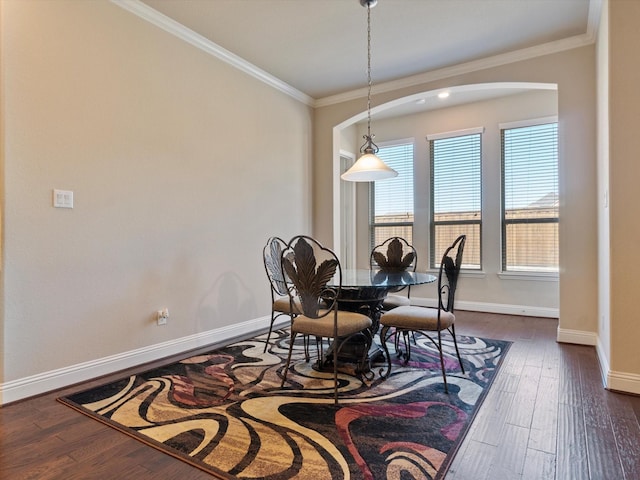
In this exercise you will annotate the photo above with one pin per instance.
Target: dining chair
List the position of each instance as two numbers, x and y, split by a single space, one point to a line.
395 255
427 320
311 267
280 304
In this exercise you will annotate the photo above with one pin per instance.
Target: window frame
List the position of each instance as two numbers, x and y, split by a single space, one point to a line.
372 224
504 273
434 260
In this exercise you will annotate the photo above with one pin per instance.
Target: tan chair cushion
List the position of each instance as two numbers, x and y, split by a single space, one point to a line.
281 304
394 301
348 323
417 318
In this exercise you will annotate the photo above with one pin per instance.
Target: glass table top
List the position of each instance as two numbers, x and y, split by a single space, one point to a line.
359 278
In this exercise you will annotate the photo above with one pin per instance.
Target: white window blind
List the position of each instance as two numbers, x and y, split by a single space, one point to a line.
392 199
456 196
530 198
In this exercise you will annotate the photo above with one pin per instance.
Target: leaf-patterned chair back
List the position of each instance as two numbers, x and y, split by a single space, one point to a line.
394 255
309 266
450 267
272 256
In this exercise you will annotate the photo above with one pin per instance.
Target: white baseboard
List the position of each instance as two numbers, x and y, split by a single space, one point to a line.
616 381
524 310
623 382
604 363
52 380
578 337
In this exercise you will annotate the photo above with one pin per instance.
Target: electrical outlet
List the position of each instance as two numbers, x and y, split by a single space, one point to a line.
162 316
62 198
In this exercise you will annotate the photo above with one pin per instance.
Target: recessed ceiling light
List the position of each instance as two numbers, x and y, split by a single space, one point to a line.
443 94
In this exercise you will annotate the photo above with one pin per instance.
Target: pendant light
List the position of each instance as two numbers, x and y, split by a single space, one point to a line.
369 167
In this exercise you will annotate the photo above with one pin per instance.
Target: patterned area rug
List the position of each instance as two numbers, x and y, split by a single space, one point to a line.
225 412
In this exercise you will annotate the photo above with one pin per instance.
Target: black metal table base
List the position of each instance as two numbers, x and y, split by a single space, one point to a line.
367 301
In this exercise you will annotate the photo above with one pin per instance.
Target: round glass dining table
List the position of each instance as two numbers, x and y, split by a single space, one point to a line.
381 279
365 290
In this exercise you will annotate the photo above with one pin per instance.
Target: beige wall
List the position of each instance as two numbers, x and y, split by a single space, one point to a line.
181 167
488 288
574 73
624 194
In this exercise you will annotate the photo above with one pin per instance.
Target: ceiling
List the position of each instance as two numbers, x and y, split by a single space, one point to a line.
319 47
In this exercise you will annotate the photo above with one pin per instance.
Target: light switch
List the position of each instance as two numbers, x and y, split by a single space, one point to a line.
62 198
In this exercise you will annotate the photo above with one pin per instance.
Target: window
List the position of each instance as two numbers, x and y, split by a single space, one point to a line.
456 194
530 197
392 199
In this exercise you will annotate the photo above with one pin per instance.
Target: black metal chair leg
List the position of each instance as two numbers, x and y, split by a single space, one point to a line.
305 343
286 368
335 374
455 343
444 374
273 319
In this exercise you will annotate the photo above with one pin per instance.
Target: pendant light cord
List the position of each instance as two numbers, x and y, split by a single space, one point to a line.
369 146
369 70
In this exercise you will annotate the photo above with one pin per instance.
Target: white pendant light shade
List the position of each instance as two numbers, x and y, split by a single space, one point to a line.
368 168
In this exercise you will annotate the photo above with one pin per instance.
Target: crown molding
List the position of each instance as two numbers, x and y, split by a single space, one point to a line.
158 19
169 25
464 68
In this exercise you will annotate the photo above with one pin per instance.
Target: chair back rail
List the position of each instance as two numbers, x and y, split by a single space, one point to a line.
450 267
395 254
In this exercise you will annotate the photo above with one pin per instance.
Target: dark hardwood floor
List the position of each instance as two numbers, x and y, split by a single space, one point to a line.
546 417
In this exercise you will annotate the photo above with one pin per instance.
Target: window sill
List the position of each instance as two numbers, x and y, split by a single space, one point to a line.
464 273
530 276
